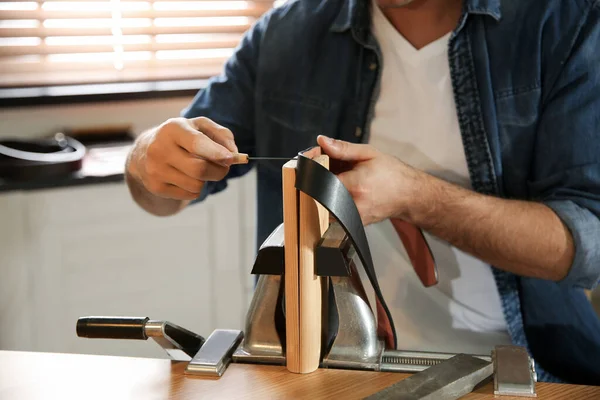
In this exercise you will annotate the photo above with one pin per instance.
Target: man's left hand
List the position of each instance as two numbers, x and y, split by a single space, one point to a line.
523 237
381 185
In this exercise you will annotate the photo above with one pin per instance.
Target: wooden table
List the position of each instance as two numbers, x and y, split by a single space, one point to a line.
67 376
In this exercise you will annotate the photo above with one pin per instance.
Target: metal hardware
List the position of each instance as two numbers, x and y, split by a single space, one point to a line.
243 158
262 343
269 158
447 380
179 343
416 361
265 323
215 355
351 343
514 372
356 345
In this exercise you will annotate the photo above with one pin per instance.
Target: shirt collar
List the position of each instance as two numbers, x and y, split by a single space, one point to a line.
354 13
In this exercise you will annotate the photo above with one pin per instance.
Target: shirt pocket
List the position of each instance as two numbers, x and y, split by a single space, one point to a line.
518 107
517 115
288 123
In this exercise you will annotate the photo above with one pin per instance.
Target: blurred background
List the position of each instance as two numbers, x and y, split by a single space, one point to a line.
74 244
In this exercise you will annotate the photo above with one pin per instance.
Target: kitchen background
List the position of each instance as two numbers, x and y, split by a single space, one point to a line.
79 246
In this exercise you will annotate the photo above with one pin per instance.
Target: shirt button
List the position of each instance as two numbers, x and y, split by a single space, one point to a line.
358 131
373 66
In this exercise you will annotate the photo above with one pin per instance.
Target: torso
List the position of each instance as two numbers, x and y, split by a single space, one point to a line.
415 120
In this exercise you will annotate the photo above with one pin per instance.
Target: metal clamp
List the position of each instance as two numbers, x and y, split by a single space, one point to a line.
264 333
514 372
214 357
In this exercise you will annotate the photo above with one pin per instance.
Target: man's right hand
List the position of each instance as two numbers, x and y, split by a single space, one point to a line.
174 160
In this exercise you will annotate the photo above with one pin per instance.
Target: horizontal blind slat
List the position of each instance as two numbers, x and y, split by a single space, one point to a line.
129 43
200 71
146 62
147 30
40 15
87 41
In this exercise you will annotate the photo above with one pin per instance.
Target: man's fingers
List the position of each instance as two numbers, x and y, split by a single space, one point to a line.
339 166
202 146
174 192
352 181
345 151
169 191
196 168
216 132
347 179
174 177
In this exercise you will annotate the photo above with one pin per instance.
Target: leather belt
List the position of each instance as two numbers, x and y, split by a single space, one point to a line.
323 186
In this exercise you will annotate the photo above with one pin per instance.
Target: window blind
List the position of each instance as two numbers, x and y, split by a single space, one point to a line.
77 42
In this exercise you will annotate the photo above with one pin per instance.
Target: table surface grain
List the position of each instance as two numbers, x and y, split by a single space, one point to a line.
25 376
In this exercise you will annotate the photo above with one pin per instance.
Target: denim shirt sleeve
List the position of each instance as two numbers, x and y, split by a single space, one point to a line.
567 156
228 100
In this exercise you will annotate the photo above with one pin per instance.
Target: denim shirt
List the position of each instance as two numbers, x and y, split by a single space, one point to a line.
526 80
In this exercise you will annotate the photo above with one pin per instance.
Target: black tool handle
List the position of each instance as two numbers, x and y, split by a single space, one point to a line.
112 327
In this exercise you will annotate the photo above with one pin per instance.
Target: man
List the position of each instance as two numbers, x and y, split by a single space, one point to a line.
483 124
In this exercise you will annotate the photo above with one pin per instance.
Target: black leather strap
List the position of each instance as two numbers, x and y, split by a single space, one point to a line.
322 185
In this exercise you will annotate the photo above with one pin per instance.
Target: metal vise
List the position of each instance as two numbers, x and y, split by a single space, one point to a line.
349 339
350 336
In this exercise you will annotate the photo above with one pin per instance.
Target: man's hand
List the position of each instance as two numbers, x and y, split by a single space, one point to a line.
381 185
523 237
174 160
169 164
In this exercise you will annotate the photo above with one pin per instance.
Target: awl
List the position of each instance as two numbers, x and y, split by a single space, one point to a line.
242 158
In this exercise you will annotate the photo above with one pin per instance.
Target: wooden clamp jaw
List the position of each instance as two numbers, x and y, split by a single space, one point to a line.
304 221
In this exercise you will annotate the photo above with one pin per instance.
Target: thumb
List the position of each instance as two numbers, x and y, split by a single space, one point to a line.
346 151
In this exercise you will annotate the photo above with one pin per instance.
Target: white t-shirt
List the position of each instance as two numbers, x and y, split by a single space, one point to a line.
415 120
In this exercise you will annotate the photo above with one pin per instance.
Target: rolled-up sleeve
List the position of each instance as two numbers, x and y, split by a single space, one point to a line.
228 99
566 165
585 228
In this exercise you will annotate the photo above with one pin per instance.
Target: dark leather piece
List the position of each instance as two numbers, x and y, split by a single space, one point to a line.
323 186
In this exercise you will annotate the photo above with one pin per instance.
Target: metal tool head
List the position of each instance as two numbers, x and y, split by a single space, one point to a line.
514 372
448 380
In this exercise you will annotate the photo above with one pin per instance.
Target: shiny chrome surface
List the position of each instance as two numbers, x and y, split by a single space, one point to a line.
156 330
448 380
415 361
356 345
514 372
275 239
215 355
262 343
261 340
